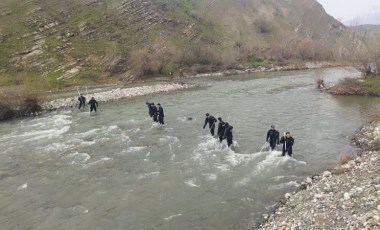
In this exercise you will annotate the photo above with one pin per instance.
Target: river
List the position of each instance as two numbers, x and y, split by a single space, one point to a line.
118 170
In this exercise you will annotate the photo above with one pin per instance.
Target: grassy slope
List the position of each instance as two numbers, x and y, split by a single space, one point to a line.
106 29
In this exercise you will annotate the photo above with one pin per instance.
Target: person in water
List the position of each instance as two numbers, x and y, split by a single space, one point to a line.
82 101
153 111
287 142
93 104
211 123
228 133
150 108
273 137
160 114
221 129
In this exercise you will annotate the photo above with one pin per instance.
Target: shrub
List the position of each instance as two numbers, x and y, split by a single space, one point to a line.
344 158
263 26
347 86
339 170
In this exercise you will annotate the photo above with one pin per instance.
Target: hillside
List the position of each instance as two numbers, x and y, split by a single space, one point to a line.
70 42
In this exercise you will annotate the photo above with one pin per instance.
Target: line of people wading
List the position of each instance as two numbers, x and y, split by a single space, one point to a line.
225 130
156 112
273 136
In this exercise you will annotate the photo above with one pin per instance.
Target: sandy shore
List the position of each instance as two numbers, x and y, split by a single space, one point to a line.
347 197
115 94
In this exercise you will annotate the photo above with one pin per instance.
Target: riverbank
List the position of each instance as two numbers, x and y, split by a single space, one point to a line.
115 94
369 86
347 197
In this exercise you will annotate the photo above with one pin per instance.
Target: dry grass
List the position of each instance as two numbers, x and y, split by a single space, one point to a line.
373 118
348 86
344 158
319 79
17 103
339 170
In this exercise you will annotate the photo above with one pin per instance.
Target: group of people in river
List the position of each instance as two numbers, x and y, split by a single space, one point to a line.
156 112
82 103
287 141
273 136
225 130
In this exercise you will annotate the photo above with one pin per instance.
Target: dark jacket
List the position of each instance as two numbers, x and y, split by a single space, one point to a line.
93 102
210 120
228 131
273 137
152 109
82 99
221 128
160 112
288 143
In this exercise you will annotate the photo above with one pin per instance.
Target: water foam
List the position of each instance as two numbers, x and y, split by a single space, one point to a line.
148 175
193 183
284 185
136 149
210 176
78 158
171 217
23 186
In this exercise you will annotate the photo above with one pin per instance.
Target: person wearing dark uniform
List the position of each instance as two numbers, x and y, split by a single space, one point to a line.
93 104
221 129
82 101
211 123
150 108
160 114
154 112
287 142
273 137
228 133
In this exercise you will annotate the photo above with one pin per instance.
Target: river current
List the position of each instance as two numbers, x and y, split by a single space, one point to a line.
118 170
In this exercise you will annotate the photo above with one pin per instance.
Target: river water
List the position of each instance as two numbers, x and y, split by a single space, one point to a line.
118 170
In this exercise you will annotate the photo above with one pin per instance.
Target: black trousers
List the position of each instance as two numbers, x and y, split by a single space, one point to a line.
229 140
92 108
155 118
81 105
212 129
220 138
289 151
161 120
272 145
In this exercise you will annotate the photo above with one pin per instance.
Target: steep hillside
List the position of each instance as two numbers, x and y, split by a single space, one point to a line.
68 42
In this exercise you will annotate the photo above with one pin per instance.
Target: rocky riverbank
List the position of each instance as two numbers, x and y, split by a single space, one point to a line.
115 94
348 197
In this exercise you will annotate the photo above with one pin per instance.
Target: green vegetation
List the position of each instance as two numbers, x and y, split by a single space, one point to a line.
43 39
255 61
371 85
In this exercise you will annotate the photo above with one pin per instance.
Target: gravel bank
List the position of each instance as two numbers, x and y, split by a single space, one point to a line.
348 197
115 94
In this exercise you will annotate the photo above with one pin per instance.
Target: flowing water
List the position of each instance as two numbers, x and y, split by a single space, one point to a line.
118 170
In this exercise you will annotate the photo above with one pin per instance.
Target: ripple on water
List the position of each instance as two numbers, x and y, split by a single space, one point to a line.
77 158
